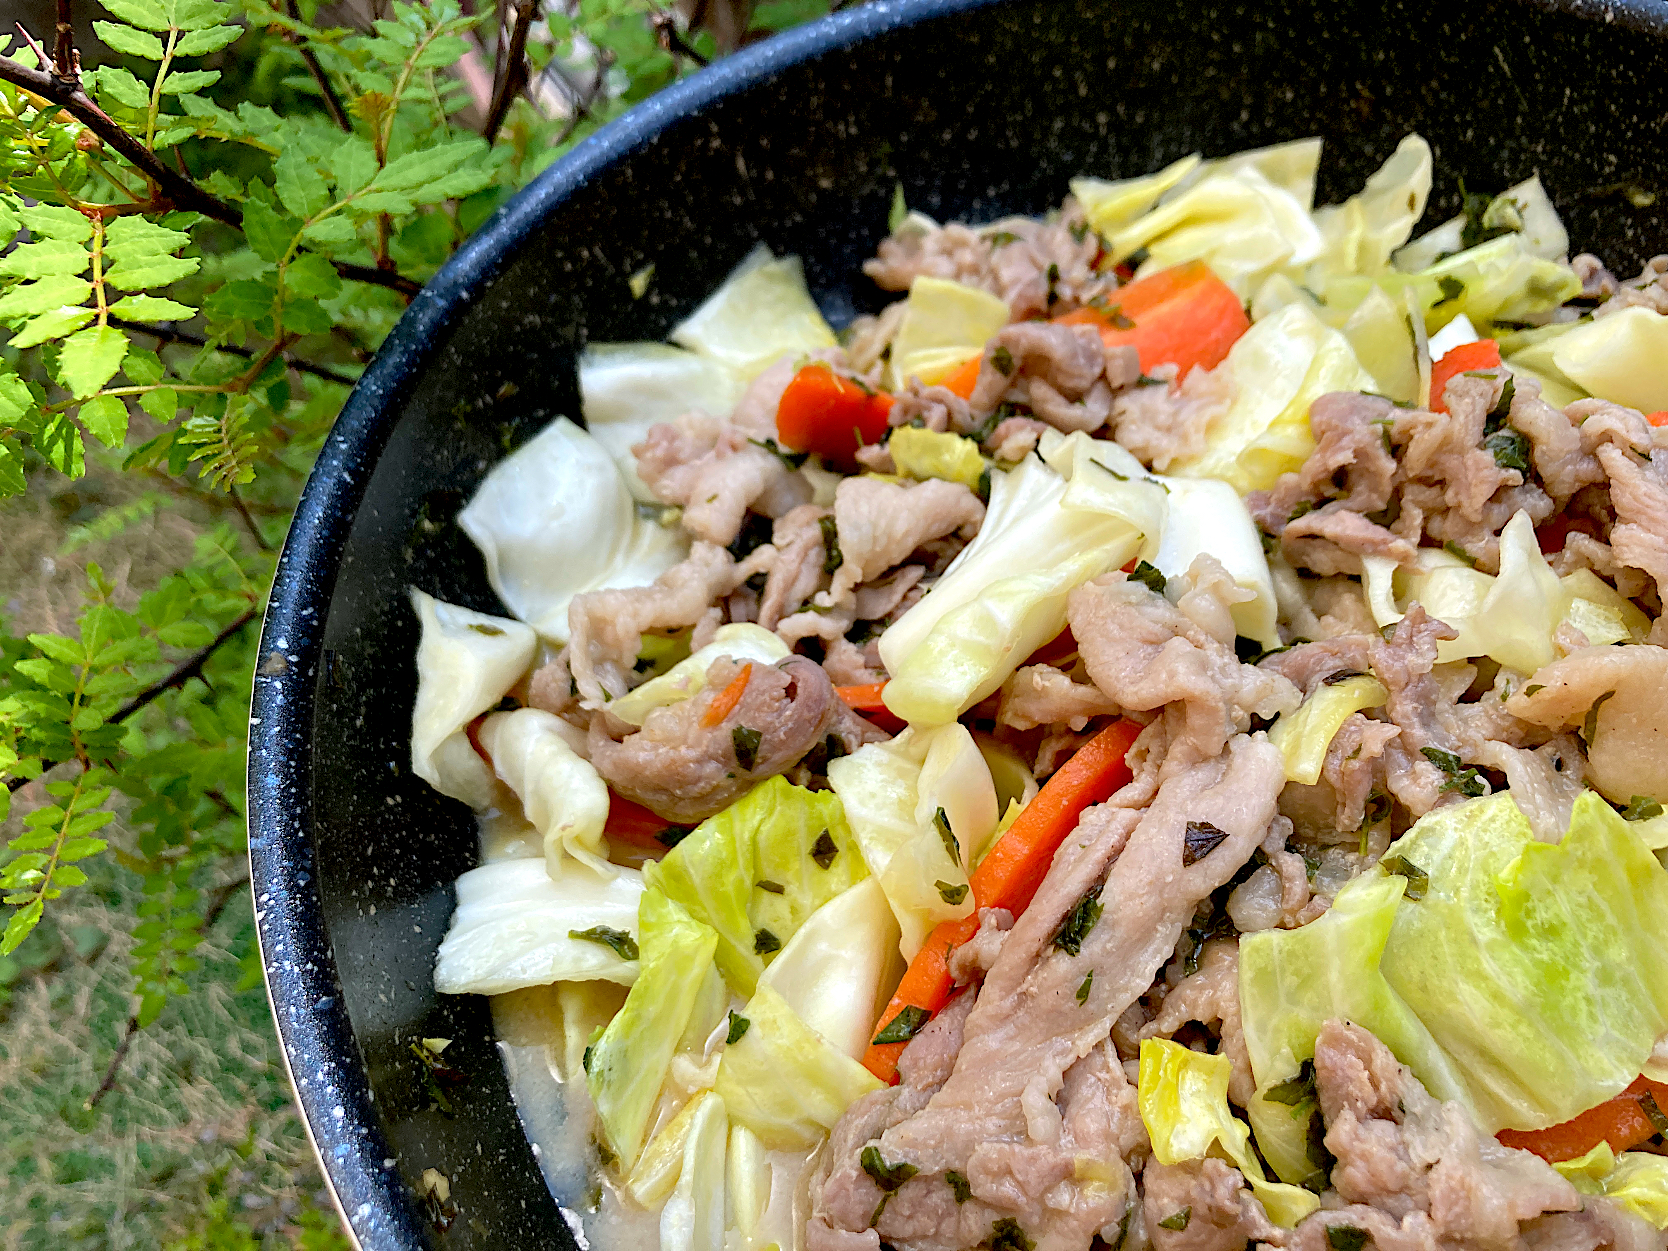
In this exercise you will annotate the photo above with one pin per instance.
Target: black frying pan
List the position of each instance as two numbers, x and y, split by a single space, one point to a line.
980 109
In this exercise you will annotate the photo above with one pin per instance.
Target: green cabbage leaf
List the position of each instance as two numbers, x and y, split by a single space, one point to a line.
762 312
686 679
1619 357
1635 1181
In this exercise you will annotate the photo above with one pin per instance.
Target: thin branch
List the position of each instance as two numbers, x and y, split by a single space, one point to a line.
165 333
379 278
192 667
513 76
218 901
332 101
665 24
65 59
248 521
177 190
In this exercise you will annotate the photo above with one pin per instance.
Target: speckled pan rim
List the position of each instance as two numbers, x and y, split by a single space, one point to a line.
302 984
301 975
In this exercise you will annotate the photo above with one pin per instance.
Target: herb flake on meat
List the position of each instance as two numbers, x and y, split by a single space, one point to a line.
1083 988
1177 1220
832 560
738 1027
1079 921
824 850
1345 1237
887 1176
1003 361
793 460
1510 449
672 835
1200 839
901 1028
1465 781
959 1185
1641 808
1006 1235
1294 1091
1459 553
1589 724
622 943
746 743
1343 675
1149 577
1653 1113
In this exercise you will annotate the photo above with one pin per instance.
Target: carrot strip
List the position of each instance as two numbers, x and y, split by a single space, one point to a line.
1185 316
635 824
1009 875
965 378
728 698
833 416
1622 1122
862 698
1658 419
1483 354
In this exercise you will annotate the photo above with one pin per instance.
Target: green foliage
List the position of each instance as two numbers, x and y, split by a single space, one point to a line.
204 343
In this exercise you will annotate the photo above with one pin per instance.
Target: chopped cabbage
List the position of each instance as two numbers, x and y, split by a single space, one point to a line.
661 1163
1530 352
1525 208
1183 1097
1015 783
1290 166
1503 281
783 1080
945 324
775 833
1303 736
1110 206
1207 516
921 453
1510 617
1232 216
761 313
629 1062
1291 982
1102 477
556 518
749 1181
1027 525
1600 612
586 1009
1378 332
560 791
892 793
1362 232
839 970
976 646
1619 357
686 679
624 388
466 661
514 922
1557 949
1635 1181
693 1218
1279 367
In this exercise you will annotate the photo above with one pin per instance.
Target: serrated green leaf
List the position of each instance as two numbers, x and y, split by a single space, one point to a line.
59 441
44 295
105 417
414 169
52 221
197 14
17 929
44 258
68 875
9 219
16 400
146 14
185 82
129 41
141 367
90 358
163 403
120 85
371 203
311 275
222 184
269 232
306 317
335 231
174 134
53 325
134 273
247 299
210 39
134 235
353 164
151 308
12 481
301 188
67 650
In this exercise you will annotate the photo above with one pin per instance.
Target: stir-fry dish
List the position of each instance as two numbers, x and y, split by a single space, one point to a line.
1158 738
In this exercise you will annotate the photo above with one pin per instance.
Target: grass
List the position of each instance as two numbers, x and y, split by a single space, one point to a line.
197 1145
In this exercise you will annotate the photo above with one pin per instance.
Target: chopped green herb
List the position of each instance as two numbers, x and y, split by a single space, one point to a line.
1123 1228
1079 231
793 460
1295 1090
1083 988
1149 577
1503 406
775 888
987 427
1510 449
481 627
1177 1220
824 850
1641 808
1477 229
1006 1235
1461 779
746 743
959 1185
832 560
952 895
764 942
1589 724
1144 381
738 1027
1079 921
672 835
1303 509
1343 675
585 1060
947 836
1345 1237
1418 881
984 484
1003 360
901 1028
887 1176
1314 295
1653 1114
1452 288
1459 553
1053 282
622 943
1529 691
1200 839
1002 238
899 210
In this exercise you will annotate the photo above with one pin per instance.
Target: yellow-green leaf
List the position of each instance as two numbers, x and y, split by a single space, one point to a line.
90 358
44 295
127 40
105 417
301 188
151 308
48 256
53 325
